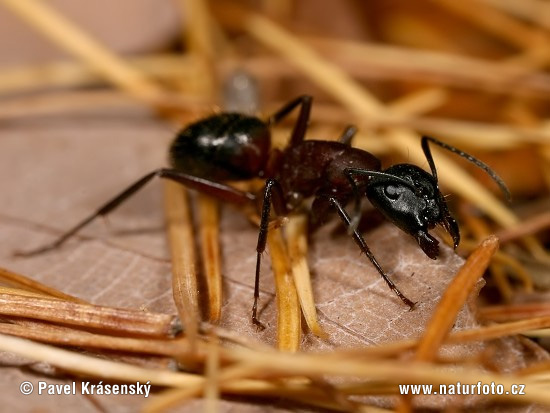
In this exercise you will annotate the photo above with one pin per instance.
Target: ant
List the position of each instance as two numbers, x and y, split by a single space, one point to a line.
234 146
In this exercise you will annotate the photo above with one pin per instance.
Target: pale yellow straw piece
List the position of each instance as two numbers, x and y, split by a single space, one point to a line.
296 232
288 306
182 249
210 251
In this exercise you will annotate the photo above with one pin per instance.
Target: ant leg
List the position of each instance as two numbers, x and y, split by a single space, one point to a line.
216 189
365 249
109 206
299 130
348 135
354 223
391 179
270 185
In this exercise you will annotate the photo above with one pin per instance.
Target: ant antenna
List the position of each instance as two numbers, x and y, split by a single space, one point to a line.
468 157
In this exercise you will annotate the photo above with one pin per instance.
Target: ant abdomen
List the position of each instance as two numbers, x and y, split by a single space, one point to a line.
223 147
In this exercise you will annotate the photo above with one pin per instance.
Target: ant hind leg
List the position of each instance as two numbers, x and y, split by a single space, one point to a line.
215 189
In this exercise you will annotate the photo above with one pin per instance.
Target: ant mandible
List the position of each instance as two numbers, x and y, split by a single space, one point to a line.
233 146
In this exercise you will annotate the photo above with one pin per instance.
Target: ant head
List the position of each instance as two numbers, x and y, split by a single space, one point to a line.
409 197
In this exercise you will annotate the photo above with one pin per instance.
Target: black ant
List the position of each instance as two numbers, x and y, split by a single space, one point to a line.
233 146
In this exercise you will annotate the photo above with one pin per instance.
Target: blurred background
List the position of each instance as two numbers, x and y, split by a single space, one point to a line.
481 61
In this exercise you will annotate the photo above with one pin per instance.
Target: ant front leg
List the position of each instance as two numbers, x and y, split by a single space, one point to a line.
270 186
300 127
215 189
365 249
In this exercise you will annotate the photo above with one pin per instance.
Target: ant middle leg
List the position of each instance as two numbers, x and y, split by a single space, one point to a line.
215 189
359 240
271 188
347 135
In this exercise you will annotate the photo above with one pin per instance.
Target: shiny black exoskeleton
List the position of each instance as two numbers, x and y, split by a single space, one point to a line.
228 146
232 146
414 208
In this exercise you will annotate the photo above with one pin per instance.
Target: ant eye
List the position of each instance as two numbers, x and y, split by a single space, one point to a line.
391 192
